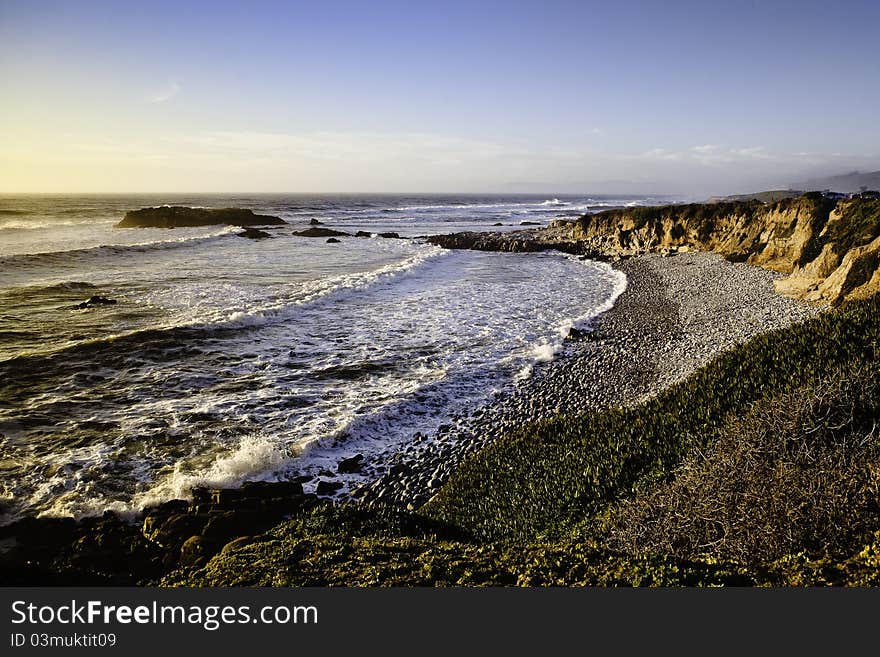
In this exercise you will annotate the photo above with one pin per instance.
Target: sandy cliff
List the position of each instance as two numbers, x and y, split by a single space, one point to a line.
830 249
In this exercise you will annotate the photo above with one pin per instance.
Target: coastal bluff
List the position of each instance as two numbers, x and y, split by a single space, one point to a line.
175 216
829 248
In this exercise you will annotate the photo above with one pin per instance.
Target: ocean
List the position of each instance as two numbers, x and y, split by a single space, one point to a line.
227 360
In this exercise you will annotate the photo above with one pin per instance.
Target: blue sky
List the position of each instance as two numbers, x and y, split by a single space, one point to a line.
693 97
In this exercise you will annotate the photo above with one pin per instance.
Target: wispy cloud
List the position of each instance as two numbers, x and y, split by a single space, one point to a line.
168 92
708 155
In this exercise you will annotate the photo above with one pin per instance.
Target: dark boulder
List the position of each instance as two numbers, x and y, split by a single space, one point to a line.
332 240
254 234
315 222
363 233
320 232
94 302
390 236
175 216
328 487
529 223
497 223
351 465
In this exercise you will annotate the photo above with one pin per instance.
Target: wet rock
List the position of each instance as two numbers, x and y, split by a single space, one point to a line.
171 531
253 234
321 232
351 465
94 302
315 222
332 240
326 487
363 233
390 235
175 216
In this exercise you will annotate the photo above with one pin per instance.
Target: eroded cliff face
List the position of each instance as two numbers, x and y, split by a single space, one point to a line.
830 249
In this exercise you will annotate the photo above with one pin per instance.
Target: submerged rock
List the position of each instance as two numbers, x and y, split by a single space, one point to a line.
321 232
315 222
95 301
332 240
176 216
254 234
576 334
390 235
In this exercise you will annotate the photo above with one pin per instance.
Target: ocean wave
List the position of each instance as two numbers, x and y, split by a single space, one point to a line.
548 348
222 321
257 457
52 288
333 288
37 224
464 206
112 249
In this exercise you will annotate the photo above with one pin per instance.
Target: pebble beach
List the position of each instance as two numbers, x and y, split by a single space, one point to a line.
676 314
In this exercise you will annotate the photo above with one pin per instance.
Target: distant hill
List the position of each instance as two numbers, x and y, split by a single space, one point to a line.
847 183
765 197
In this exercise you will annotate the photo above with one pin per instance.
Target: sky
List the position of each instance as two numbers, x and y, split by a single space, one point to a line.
579 97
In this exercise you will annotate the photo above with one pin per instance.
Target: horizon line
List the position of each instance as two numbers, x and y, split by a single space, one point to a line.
350 193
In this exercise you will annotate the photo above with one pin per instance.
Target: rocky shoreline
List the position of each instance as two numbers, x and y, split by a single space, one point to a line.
677 313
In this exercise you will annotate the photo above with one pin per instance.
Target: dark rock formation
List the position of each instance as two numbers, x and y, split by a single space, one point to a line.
254 234
94 302
112 551
512 242
332 240
315 222
575 334
321 232
351 465
175 216
327 487
389 235
529 223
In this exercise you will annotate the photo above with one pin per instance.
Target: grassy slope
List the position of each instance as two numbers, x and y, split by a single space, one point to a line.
702 485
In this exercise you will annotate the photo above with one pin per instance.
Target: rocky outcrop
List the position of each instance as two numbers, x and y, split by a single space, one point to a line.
520 241
94 302
113 550
254 234
387 236
321 232
175 216
829 248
